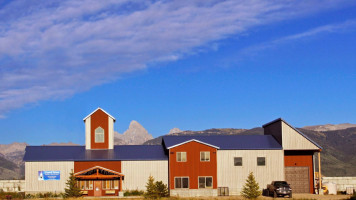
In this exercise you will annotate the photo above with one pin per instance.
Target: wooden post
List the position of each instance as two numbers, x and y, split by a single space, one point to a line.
320 183
120 186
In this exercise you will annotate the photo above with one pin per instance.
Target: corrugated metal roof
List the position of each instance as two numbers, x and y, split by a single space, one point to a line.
79 153
225 142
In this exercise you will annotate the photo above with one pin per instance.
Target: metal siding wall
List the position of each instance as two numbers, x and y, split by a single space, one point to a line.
235 177
275 130
33 185
111 133
87 133
137 173
292 140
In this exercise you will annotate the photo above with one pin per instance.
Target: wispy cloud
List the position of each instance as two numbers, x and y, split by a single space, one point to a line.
54 49
346 26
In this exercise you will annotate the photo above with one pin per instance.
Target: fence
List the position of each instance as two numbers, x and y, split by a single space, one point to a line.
342 183
12 185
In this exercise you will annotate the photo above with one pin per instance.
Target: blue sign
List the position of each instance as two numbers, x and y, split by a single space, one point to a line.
49 175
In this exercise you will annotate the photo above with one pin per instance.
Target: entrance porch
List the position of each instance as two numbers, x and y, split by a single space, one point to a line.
99 181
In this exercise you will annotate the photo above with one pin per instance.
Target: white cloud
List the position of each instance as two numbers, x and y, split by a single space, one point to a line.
349 25
54 49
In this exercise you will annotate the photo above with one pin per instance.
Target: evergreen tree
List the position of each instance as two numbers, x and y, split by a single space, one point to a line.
156 189
251 189
162 189
151 188
72 189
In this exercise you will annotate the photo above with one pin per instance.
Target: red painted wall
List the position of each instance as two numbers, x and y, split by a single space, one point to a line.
193 167
301 161
83 165
99 118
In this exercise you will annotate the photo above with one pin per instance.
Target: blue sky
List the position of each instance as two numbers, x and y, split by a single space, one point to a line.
196 65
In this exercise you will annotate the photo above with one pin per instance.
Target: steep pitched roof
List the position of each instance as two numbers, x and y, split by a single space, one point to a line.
97 110
227 142
193 140
79 153
306 137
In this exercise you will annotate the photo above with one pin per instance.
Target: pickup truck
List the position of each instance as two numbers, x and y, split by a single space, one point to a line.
278 188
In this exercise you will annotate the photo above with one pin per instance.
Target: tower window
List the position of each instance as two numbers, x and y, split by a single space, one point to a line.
99 135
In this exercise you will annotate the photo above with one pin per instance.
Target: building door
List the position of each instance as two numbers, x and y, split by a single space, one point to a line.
298 178
97 188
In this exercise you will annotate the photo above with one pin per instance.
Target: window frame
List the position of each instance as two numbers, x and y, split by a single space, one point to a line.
181 179
204 156
264 161
111 184
85 184
241 161
181 152
97 133
205 187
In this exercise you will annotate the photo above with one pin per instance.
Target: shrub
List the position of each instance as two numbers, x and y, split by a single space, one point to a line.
156 189
134 192
72 189
12 195
43 195
251 189
161 189
353 197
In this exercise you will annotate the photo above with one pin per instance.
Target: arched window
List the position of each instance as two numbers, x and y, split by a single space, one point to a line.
99 135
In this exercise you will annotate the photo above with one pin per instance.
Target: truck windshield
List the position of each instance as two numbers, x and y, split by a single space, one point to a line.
281 184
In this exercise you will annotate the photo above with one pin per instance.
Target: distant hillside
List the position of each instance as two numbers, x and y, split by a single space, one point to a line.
338 154
329 127
9 170
213 131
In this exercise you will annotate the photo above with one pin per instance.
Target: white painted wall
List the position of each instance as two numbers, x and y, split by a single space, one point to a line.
292 140
137 173
111 132
235 177
87 133
194 192
341 182
33 185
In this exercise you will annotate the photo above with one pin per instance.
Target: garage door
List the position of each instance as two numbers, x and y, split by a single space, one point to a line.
298 178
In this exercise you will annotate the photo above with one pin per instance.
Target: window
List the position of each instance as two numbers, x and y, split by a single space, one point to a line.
181 156
85 184
99 135
205 156
181 182
110 184
205 182
238 161
261 161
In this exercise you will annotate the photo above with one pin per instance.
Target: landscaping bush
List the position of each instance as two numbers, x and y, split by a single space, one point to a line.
12 195
251 189
353 197
72 189
134 193
156 189
44 195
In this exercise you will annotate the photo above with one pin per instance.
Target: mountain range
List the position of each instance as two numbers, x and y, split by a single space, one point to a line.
337 158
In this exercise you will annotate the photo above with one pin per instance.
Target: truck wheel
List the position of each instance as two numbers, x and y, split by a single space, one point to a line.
274 194
290 195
